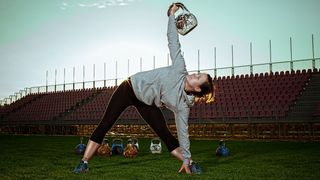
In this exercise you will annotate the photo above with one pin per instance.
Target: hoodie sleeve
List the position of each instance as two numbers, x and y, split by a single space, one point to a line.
181 120
174 45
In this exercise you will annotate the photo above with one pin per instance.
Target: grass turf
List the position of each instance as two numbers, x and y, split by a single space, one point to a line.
52 157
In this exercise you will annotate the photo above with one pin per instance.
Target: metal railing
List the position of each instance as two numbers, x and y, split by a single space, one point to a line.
292 65
271 66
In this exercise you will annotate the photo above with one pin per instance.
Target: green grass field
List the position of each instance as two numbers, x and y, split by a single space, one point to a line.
52 157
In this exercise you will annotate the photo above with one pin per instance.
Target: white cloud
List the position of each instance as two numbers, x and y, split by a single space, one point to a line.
97 4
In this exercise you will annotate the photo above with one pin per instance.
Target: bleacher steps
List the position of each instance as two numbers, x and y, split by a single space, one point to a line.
3 117
306 103
78 105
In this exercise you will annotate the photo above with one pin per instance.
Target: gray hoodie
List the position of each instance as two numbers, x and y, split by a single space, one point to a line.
165 87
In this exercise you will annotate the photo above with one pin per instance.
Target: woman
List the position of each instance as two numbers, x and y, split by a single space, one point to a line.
148 91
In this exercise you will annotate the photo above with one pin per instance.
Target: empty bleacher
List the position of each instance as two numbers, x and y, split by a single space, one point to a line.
245 106
254 96
46 107
317 111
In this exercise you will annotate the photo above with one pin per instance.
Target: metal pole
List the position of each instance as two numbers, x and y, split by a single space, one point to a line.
55 80
26 90
47 81
154 62
251 67
270 56
20 92
64 79
104 74
83 77
291 59
215 62
128 67
94 74
232 68
74 74
313 59
168 59
198 60
140 64
15 96
10 97
116 73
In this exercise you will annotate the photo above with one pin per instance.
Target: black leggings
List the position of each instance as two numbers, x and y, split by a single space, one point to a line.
120 100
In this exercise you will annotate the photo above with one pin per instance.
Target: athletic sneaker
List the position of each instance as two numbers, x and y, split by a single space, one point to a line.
82 167
195 168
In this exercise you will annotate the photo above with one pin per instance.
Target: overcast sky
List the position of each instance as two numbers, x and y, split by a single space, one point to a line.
47 35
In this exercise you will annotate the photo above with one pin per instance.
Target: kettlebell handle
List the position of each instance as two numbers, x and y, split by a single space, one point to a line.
182 6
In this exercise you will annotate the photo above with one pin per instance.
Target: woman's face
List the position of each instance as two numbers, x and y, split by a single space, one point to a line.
196 80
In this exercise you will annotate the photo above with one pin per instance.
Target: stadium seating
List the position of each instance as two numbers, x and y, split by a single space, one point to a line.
317 111
259 95
240 100
48 106
254 95
94 110
4 110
